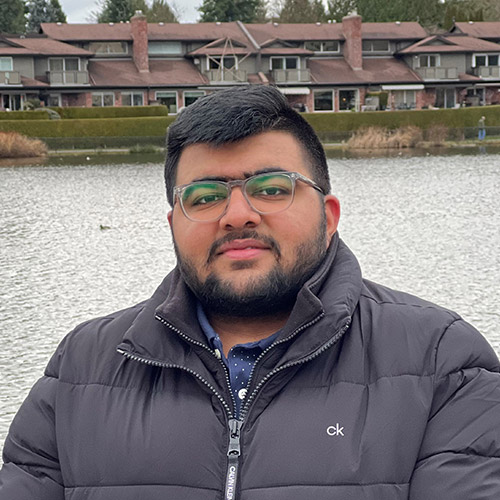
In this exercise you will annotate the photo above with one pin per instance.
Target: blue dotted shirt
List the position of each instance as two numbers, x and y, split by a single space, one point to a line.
240 359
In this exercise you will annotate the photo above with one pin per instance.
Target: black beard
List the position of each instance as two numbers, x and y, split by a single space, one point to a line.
268 295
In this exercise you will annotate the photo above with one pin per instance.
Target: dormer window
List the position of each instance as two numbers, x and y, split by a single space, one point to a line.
108 47
428 61
6 64
164 48
228 62
284 63
375 45
485 60
326 46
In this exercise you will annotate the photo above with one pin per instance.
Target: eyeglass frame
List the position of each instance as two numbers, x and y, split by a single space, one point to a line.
294 176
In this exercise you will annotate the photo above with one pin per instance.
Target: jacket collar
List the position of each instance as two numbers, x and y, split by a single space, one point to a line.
325 303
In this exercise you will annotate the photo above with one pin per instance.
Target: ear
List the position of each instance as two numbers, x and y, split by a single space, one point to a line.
169 217
332 212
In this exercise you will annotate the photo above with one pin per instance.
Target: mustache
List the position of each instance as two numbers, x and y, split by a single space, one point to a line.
243 235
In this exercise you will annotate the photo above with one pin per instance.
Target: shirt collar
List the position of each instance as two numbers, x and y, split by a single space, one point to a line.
213 337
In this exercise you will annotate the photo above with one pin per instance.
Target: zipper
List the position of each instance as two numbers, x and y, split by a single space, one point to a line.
200 344
328 345
235 424
233 458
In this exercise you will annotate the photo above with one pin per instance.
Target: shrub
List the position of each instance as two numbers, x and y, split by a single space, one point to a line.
13 145
437 134
111 112
24 115
383 138
98 127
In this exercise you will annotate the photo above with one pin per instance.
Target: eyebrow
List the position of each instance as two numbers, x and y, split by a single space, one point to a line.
246 175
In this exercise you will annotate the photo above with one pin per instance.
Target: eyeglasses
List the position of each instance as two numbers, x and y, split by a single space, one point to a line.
267 193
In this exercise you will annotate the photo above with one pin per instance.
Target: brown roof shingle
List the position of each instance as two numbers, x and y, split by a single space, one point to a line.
173 72
42 46
483 29
375 71
452 43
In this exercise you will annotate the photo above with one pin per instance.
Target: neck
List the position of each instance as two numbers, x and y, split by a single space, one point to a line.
237 330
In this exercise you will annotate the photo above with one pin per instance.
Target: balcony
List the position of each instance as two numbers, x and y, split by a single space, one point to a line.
10 78
438 73
487 71
291 75
226 75
68 77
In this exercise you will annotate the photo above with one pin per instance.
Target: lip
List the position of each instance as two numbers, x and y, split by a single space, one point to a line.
243 249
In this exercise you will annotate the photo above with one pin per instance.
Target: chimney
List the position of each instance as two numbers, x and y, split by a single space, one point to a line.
353 48
139 29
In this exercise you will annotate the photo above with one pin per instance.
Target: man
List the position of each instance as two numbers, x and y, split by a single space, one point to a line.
481 128
264 366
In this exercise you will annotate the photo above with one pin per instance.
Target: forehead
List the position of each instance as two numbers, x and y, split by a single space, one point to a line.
276 149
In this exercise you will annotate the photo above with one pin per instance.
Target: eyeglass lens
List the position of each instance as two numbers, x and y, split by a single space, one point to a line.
266 193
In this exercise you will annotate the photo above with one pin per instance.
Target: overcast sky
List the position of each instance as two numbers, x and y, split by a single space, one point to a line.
78 11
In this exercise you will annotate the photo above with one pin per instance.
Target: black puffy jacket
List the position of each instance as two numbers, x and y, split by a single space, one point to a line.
367 394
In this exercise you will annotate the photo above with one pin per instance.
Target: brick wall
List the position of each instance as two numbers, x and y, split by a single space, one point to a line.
139 29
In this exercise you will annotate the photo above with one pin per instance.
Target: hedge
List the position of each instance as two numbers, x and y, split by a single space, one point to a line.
98 127
24 115
111 112
452 118
329 126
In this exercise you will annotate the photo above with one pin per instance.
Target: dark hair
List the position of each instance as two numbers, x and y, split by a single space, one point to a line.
232 115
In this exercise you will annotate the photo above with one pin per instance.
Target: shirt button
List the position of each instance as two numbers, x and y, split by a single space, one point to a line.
217 354
242 393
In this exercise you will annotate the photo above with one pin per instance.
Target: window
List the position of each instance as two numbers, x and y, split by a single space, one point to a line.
284 62
6 64
348 100
327 46
108 47
429 61
67 64
375 45
323 100
405 99
132 99
164 48
168 99
54 100
445 98
191 96
485 60
227 62
103 99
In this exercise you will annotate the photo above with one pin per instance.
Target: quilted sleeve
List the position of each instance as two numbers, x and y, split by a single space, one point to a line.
460 454
31 468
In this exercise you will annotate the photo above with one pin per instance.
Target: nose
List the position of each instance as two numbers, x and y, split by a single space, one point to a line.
239 213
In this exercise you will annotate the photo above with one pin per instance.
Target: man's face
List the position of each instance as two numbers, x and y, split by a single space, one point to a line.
247 263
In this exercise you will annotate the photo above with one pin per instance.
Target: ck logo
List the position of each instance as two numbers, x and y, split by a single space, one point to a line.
335 430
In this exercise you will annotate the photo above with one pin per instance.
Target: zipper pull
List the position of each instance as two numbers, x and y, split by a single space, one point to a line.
233 453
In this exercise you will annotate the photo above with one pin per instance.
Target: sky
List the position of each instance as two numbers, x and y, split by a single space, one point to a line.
78 11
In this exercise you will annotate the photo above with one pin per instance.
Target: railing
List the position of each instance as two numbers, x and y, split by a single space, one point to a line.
10 78
68 77
438 73
487 71
291 75
227 75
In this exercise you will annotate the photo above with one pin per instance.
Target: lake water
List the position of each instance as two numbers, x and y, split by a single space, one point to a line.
82 237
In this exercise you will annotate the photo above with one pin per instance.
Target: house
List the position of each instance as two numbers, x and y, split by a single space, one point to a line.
348 66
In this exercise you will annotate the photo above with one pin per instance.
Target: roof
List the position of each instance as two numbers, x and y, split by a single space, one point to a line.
161 72
156 31
483 29
41 46
333 31
451 43
375 71
213 31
